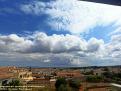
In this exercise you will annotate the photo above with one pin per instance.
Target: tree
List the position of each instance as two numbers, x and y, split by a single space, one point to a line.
75 84
60 84
94 78
63 88
14 83
106 69
89 73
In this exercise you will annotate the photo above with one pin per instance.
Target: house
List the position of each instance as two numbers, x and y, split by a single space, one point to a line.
15 73
24 76
69 74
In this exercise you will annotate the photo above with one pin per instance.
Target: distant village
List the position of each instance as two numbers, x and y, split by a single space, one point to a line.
60 79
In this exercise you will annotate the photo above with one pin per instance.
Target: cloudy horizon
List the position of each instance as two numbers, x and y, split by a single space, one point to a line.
58 33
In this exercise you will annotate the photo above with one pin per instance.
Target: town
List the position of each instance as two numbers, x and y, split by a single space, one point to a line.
61 79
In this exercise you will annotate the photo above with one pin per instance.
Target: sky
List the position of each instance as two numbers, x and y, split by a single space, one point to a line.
59 33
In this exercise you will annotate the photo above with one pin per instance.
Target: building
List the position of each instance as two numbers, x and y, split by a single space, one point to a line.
24 76
15 73
69 74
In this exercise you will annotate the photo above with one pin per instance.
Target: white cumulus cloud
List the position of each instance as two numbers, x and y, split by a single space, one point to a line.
59 50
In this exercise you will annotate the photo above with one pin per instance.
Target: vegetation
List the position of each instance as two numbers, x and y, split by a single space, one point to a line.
71 85
59 82
113 77
13 84
89 73
94 78
106 69
75 84
64 88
